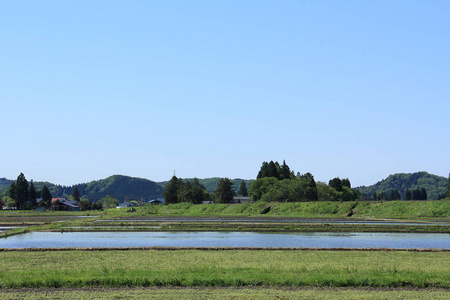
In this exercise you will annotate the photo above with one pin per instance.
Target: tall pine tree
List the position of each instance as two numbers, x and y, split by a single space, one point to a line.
273 168
264 171
285 171
22 193
171 190
76 195
243 189
224 191
46 197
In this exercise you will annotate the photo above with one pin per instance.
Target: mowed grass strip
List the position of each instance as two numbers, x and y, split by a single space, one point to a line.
235 268
225 293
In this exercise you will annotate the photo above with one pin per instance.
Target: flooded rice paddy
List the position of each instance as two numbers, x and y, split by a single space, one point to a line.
227 239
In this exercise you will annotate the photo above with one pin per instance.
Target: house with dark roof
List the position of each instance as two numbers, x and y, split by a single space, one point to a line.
61 204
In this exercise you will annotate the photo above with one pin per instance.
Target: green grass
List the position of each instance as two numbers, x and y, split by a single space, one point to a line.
224 293
375 209
231 268
405 209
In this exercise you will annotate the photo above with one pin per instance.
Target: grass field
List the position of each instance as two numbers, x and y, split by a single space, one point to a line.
363 209
367 209
261 293
231 268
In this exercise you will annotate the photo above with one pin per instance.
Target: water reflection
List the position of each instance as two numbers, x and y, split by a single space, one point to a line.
227 239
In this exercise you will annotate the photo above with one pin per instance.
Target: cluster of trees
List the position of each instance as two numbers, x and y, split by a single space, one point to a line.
277 183
416 194
178 190
341 190
296 189
273 169
23 195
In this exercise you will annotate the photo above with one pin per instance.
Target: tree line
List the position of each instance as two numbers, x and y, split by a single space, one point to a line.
416 194
178 190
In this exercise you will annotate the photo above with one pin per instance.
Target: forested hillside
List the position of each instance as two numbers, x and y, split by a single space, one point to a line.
435 186
117 186
120 187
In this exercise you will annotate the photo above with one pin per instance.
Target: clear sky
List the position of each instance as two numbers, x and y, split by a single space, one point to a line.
356 89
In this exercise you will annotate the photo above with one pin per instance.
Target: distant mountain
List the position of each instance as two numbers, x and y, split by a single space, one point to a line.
117 186
434 185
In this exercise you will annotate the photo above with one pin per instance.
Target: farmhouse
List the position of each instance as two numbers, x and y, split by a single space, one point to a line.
61 204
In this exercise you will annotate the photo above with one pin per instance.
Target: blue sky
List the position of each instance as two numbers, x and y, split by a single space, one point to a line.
356 89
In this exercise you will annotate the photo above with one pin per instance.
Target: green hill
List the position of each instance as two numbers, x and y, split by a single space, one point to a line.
117 186
433 184
121 187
